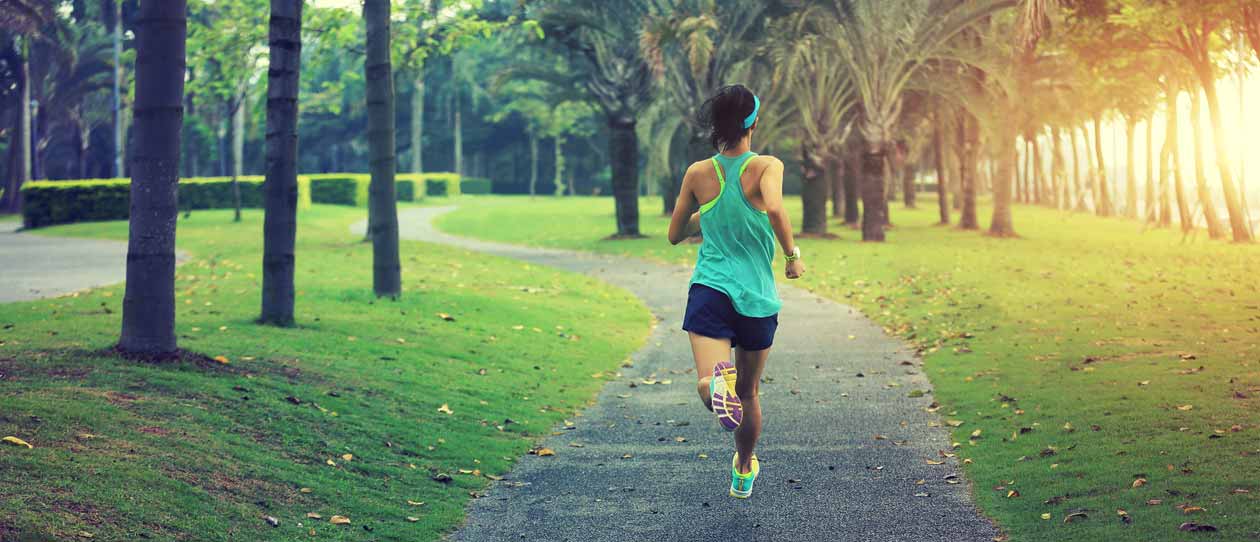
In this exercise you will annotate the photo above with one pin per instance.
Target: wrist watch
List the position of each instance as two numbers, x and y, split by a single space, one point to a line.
794 255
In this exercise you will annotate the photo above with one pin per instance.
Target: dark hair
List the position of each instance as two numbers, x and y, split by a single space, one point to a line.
724 114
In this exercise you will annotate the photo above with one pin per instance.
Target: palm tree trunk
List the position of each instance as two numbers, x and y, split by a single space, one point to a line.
1237 220
119 143
533 165
1038 177
942 176
815 184
968 151
280 218
623 154
835 176
458 133
1215 231
558 180
874 202
1105 207
148 321
238 153
1077 201
907 184
852 180
1150 206
19 167
1058 169
417 123
1021 171
1130 169
1002 224
383 223
1174 145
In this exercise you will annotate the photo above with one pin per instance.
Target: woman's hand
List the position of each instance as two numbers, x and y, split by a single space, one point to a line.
795 269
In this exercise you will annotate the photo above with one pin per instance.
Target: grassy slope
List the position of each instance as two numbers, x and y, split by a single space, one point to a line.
192 452
1084 321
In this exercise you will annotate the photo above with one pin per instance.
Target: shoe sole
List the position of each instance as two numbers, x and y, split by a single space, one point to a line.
726 405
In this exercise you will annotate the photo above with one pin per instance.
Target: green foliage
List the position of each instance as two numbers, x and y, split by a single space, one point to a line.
188 451
352 188
62 202
475 185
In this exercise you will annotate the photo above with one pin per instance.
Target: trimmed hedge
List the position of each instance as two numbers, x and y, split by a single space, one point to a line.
475 185
61 202
352 188
440 184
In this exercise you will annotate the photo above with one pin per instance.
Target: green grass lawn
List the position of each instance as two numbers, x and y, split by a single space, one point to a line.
354 412
1083 357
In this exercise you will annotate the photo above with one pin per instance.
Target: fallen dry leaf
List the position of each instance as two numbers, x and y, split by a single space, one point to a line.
347 457
222 359
339 520
1075 516
544 452
446 317
16 442
413 519
314 515
445 409
1139 483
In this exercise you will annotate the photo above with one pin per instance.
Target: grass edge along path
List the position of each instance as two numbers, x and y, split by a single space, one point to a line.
1102 381
390 414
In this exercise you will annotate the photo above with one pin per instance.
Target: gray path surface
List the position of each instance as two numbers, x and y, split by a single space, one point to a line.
823 477
37 266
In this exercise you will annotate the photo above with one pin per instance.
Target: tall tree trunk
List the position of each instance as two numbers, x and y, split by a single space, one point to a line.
417 123
1130 169
148 320
623 154
874 203
852 182
1237 220
81 135
19 170
909 198
1002 224
815 184
458 135
1021 171
1174 146
968 156
533 165
1077 201
120 145
24 108
1038 180
383 222
281 191
1058 169
942 177
238 152
1215 231
1105 207
558 180
1151 206
835 176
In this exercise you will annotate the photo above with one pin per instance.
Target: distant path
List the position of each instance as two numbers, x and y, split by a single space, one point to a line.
39 266
824 476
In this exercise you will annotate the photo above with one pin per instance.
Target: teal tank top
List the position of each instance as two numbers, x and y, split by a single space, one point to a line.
738 245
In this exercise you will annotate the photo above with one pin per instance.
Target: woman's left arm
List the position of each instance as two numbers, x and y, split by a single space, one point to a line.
684 223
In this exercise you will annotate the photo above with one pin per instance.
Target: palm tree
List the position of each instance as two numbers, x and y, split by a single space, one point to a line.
883 46
148 322
804 71
280 220
605 38
694 47
383 215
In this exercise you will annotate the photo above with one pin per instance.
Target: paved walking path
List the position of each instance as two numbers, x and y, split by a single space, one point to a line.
823 477
38 266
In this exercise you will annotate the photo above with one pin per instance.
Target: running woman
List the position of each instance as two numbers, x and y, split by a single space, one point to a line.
732 301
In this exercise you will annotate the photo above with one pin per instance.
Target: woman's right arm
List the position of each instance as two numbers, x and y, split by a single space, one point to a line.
772 194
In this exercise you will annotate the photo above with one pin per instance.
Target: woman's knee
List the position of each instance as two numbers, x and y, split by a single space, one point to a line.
746 390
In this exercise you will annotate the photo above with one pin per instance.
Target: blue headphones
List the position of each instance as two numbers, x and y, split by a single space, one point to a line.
748 122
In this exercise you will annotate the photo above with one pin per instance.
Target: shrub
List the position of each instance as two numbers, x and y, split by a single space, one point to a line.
352 188
60 202
475 185
439 184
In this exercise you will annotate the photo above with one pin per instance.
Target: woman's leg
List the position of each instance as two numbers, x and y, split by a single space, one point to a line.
708 352
748 367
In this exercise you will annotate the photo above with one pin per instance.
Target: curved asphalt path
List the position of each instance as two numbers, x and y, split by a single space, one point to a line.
38 266
824 476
